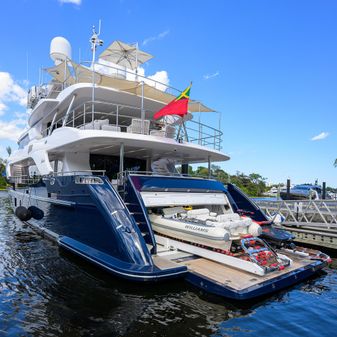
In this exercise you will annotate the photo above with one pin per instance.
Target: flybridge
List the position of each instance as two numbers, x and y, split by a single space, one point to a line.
110 95
117 67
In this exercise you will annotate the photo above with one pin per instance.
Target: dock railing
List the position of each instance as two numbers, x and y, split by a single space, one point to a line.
302 212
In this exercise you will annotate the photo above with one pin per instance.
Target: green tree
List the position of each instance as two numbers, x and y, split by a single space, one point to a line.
9 150
201 171
253 184
3 182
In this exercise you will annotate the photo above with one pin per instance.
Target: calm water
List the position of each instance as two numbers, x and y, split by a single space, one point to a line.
45 292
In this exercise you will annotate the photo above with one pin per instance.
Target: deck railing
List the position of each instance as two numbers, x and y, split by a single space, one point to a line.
84 116
24 179
112 71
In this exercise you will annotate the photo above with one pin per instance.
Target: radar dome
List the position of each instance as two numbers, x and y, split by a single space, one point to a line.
60 49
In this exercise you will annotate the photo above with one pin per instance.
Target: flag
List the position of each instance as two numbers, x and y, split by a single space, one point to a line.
178 106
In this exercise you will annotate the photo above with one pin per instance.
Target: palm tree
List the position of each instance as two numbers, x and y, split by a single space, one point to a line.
9 150
335 163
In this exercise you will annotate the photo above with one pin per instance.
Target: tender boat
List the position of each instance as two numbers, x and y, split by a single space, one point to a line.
98 175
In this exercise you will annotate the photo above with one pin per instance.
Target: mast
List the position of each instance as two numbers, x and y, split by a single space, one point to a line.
95 42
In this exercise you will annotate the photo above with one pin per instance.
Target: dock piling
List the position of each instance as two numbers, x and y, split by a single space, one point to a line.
324 190
288 189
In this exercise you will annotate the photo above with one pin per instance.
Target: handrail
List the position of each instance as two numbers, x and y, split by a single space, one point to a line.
120 74
121 175
77 172
302 211
192 131
26 179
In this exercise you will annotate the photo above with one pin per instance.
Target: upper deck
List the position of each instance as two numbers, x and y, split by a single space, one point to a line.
102 107
111 99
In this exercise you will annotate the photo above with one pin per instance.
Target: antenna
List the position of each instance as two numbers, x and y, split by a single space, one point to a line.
27 68
40 76
94 42
99 26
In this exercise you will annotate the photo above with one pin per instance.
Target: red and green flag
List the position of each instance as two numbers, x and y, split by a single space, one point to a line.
179 106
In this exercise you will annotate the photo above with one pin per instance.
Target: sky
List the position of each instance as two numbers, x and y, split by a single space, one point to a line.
269 68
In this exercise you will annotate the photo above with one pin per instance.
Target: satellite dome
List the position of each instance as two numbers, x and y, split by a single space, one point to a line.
60 49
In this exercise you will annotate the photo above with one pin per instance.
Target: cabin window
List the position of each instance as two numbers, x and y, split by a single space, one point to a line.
23 142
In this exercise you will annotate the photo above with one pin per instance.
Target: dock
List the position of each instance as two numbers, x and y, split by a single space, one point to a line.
312 222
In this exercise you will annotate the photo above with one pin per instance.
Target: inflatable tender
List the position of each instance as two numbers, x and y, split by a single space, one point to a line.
160 223
204 224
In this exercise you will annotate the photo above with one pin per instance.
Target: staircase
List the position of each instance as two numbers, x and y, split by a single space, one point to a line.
133 201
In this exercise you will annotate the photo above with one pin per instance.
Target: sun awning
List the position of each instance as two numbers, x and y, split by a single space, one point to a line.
84 74
164 97
61 73
124 54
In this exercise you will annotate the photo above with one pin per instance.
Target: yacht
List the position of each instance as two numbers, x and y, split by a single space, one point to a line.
303 192
96 173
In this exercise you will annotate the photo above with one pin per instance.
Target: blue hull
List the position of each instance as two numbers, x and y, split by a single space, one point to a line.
93 222
117 267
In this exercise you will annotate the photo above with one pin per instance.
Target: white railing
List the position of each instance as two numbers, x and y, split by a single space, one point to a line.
78 172
118 73
24 179
122 175
109 71
302 211
83 117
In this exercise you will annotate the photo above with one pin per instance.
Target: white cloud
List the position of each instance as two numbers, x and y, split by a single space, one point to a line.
75 2
10 91
321 136
157 37
159 80
162 77
12 130
2 152
209 76
3 107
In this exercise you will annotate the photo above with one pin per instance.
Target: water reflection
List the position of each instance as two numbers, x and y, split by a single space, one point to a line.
48 292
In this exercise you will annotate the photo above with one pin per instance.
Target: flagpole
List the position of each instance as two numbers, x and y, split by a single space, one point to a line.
136 61
142 111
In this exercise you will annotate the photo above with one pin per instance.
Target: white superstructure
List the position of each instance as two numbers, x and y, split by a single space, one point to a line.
94 109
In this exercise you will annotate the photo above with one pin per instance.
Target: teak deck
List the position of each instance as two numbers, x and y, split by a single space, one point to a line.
235 278
163 263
